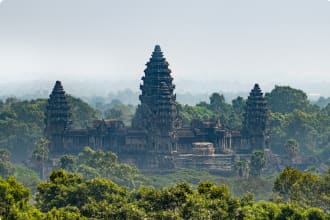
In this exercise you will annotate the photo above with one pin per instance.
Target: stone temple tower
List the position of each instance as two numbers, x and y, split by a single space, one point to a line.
57 118
157 113
255 125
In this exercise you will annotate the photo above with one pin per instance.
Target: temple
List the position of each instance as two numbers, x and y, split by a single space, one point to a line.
157 113
57 118
157 141
255 126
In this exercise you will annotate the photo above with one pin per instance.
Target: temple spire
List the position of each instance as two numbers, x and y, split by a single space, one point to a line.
57 117
157 112
255 125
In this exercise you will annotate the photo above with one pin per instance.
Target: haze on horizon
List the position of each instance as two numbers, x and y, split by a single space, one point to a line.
244 41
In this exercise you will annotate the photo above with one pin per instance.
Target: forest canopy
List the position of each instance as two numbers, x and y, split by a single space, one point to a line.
94 184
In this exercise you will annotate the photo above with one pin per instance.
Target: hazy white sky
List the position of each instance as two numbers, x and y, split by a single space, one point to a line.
230 40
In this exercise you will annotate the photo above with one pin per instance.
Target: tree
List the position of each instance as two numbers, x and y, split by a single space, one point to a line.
285 99
292 148
67 162
82 113
257 163
97 163
40 155
242 168
218 103
121 112
14 201
96 198
307 192
6 168
61 190
238 104
27 177
285 181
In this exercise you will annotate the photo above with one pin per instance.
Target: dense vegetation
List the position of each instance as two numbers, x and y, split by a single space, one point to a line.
22 123
95 185
70 196
99 164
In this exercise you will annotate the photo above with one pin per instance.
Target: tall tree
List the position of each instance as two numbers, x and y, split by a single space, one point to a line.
238 104
292 148
242 168
285 181
285 99
40 155
218 103
257 162
6 168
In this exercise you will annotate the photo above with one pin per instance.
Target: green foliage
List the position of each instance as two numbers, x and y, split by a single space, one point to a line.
242 168
14 201
285 181
6 168
40 155
229 115
28 177
257 163
67 162
293 117
260 187
41 150
311 130
284 99
71 191
22 123
292 148
14 205
82 113
70 196
188 113
304 189
62 190
23 174
121 112
64 214
97 163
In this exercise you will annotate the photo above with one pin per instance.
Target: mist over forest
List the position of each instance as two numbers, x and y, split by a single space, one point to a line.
127 91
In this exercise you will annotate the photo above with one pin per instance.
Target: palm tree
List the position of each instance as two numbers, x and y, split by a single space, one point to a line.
258 162
40 155
292 149
242 168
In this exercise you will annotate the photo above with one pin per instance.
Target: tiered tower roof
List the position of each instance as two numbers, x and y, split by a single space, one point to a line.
158 108
58 110
256 113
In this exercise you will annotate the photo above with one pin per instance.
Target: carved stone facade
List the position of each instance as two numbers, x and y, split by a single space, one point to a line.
157 141
255 125
157 113
57 119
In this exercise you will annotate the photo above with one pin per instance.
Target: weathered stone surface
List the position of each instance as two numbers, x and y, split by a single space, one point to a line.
255 125
157 142
57 118
203 148
157 113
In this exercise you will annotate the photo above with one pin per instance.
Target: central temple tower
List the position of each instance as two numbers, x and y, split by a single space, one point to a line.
57 118
256 119
157 113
